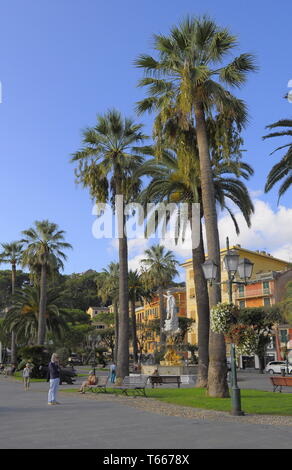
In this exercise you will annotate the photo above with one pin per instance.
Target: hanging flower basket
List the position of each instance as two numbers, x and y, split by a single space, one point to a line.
222 317
245 339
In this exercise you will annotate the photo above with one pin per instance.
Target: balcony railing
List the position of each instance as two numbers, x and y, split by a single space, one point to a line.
253 293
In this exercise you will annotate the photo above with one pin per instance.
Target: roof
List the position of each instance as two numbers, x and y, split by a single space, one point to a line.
244 250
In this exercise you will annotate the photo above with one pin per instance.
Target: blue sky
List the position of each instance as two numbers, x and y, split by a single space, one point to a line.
64 61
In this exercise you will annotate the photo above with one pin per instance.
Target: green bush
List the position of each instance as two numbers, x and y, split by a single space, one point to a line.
36 355
63 354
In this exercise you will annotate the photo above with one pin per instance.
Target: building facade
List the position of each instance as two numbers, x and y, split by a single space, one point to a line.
265 288
93 312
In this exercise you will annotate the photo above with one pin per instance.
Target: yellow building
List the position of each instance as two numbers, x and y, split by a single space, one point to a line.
93 312
263 262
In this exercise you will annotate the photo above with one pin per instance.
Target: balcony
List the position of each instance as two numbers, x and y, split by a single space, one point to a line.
249 293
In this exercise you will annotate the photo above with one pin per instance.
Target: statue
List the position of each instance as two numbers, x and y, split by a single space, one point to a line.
171 323
171 329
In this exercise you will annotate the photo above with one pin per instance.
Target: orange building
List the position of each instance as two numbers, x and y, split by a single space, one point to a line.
265 290
266 287
263 263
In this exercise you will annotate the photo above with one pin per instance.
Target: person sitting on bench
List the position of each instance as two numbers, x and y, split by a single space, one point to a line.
158 381
91 380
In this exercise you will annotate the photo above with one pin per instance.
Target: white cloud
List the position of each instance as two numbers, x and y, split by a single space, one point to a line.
135 262
255 193
138 244
271 230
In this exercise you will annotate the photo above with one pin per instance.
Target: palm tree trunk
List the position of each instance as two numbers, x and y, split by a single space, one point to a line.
134 331
203 313
217 374
42 307
116 312
162 317
13 334
123 349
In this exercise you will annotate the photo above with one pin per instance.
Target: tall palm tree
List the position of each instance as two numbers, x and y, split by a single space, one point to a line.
12 253
108 289
137 293
283 169
23 315
43 248
188 77
107 162
169 184
160 268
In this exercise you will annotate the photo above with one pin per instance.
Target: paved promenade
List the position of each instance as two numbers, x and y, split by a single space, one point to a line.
80 422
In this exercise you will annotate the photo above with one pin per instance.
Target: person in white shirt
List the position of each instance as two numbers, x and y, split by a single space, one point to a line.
26 376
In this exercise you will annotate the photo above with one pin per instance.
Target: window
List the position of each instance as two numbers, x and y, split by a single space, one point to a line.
241 290
267 301
242 304
283 336
266 287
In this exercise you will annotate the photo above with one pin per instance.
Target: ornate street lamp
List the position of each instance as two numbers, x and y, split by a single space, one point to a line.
210 270
231 261
244 267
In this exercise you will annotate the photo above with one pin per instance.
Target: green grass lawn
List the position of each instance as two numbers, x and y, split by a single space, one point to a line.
252 401
18 376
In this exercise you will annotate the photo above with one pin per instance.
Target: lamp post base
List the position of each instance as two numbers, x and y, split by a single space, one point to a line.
237 413
236 402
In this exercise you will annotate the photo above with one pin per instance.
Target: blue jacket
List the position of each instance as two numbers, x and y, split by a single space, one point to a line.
53 370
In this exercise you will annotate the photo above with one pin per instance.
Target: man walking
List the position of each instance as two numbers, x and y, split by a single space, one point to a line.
113 373
54 378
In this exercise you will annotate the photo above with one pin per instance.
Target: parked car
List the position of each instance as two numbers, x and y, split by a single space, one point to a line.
74 360
274 367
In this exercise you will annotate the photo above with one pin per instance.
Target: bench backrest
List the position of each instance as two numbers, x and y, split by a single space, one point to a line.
170 378
102 380
281 380
138 381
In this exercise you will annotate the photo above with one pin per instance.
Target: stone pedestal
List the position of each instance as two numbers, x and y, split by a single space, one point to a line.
168 370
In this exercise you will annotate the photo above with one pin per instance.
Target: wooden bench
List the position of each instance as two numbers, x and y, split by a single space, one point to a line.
165 379
100 386
279 382
136 384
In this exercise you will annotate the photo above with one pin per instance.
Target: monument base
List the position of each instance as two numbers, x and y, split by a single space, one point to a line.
168 370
